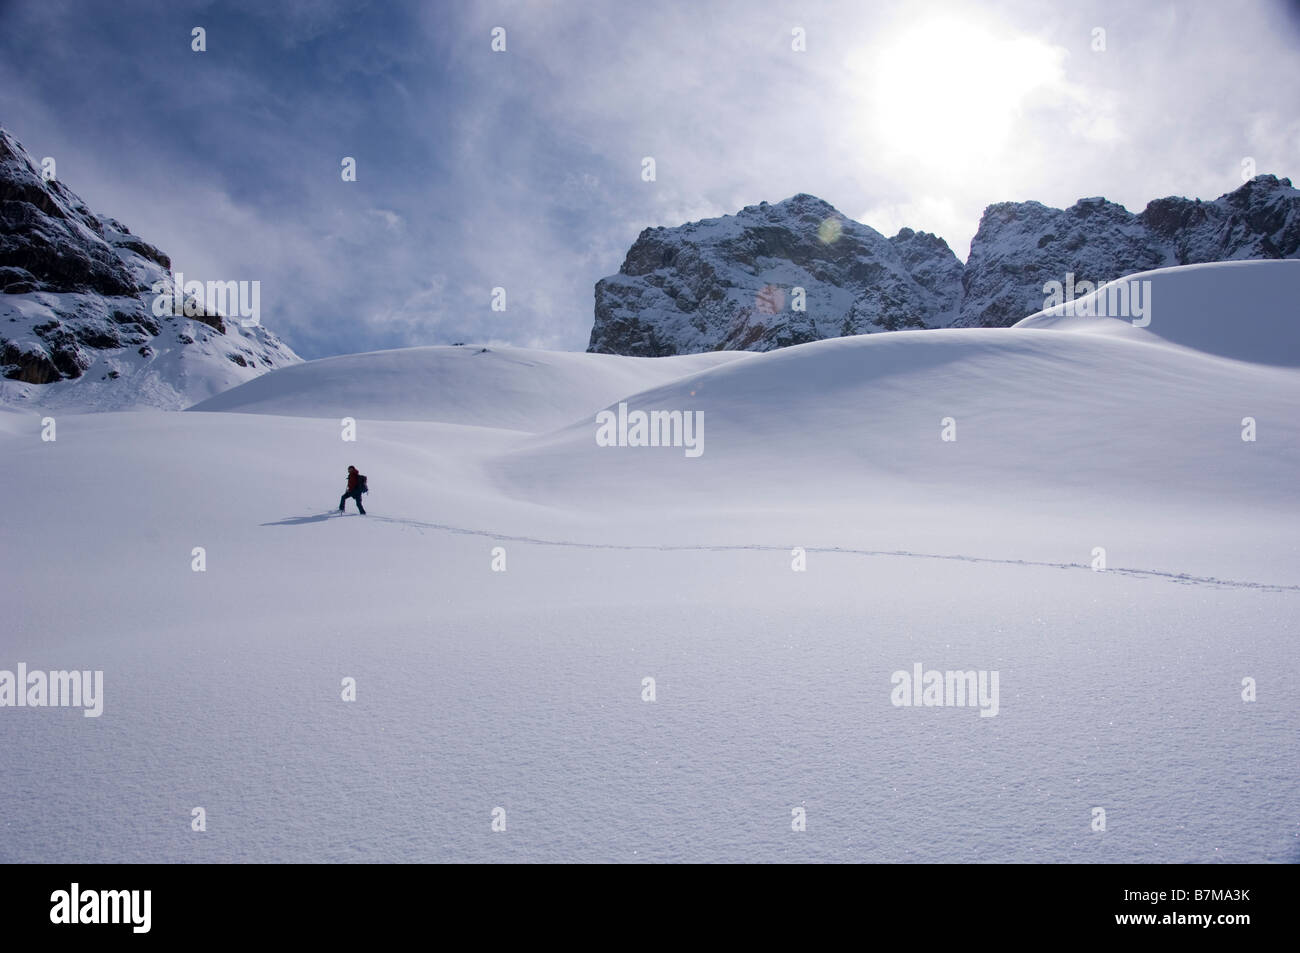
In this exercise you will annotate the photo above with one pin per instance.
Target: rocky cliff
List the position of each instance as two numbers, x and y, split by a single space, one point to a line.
768 277
1022 245
80 324
734 282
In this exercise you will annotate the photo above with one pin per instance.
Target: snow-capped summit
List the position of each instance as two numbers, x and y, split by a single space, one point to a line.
80 327
731 283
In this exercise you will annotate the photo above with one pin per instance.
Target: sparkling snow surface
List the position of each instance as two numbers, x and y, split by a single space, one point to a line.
477 689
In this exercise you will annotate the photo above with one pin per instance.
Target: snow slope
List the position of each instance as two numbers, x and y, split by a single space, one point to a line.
1199 307
523 689
513 388
1061 436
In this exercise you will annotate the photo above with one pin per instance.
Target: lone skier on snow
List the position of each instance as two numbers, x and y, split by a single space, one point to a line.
356 486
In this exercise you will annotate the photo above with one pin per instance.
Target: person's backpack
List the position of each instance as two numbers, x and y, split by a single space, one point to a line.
361 483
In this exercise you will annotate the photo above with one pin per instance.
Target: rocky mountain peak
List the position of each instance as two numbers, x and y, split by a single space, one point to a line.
1022 245
772 275
80 324
737 281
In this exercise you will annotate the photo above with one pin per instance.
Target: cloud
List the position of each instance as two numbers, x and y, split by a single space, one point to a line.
522 169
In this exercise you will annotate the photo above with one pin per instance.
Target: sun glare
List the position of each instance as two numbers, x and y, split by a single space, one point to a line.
945 91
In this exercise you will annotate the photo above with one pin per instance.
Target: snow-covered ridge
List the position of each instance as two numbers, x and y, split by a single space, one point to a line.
78 326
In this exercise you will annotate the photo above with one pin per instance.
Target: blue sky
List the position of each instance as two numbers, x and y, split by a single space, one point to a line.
521 169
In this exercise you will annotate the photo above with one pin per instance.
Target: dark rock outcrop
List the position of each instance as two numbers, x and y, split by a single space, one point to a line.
79 290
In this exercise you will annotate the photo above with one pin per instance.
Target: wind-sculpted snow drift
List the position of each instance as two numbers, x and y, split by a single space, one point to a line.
1245 310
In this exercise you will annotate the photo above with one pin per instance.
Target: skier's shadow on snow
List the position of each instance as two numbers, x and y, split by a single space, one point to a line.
299 520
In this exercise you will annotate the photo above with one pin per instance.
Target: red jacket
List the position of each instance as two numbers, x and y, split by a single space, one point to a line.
353 479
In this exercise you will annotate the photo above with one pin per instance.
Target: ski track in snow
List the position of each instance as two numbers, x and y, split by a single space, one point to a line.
1182 578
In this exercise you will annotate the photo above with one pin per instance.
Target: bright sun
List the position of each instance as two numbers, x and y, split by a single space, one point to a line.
945 91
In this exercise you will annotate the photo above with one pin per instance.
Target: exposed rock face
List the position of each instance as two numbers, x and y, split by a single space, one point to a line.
78 303
729 283
50 240
1022 245
1259 220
